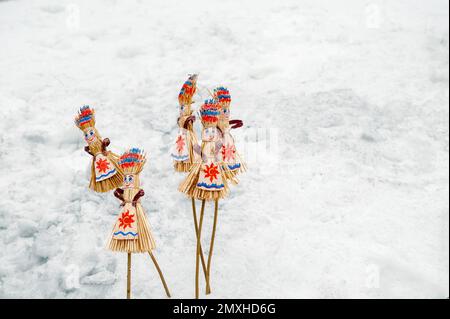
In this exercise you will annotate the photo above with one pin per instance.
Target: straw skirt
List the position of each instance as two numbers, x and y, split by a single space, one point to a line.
132 232
231 158
183 153
109 183
194 185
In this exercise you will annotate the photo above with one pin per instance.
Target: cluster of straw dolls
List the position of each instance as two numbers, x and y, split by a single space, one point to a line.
210 167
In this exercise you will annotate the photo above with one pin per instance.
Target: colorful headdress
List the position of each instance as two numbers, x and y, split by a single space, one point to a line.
210 112
223 96
132 161
223 100
188 90
85 118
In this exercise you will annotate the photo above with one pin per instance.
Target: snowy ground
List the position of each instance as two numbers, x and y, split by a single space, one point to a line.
345 105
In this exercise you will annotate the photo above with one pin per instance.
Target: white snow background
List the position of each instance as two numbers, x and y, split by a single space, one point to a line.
345 110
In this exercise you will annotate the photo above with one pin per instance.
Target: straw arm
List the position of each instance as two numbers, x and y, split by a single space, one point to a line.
137 196
236 123
86 149
105 143
189 120
118 193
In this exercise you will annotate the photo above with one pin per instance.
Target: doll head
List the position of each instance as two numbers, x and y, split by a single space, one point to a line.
90 135
131 181
132 162
186 94
210 112
223 100
85 121
211 134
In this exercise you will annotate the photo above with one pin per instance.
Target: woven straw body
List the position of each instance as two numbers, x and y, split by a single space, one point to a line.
233 163
192 185
110 183
105 171
189 139
144 241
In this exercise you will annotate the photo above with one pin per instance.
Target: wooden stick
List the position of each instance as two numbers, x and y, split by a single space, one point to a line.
211 247
160 274
129 276
197 256
202 257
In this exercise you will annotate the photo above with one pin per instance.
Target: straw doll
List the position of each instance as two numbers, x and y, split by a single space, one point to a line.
183 149
182 152
206 180
229 155
132 233
105 172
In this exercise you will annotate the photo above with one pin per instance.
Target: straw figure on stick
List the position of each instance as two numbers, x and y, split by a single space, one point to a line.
182 152
230 157
206 180
105 172
232 164
132 233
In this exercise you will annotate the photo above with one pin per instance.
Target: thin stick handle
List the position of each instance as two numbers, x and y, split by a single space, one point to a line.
129 276
197 257
202 257
211 247
160 274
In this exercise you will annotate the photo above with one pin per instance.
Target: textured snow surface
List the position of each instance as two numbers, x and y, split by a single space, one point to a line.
345 106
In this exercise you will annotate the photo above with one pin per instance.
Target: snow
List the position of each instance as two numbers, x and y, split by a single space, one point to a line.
345 110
